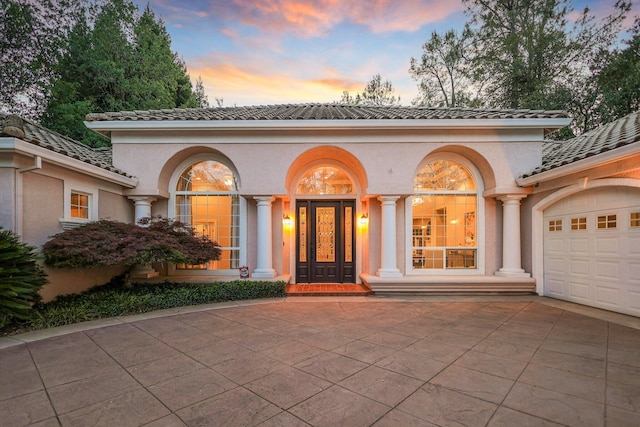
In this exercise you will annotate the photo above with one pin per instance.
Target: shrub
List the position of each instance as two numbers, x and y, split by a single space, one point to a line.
20 278
107 243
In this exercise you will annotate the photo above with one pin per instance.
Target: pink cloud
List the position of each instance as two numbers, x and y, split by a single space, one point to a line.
317 17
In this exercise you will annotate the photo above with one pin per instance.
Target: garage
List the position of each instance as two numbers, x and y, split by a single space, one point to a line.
592 249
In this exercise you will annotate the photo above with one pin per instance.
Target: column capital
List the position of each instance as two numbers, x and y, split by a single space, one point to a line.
142 199
388 199
511 198
264 200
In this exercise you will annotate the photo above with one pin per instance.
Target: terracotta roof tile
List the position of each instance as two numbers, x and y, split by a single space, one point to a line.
322 112
12 125
605 138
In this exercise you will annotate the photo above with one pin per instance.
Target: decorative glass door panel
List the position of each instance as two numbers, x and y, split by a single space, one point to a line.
325 236
325 241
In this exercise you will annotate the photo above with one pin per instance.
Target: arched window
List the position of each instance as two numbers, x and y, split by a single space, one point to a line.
325 180
207 199
444 217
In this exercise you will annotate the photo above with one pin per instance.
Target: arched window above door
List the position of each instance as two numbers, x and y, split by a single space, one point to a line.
323 180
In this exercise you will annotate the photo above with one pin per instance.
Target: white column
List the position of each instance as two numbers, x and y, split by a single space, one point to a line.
511 245
264 268
388 267
142 206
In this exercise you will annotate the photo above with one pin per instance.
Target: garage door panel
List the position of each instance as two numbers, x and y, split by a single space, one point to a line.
607 246
634 301
608 296
555 287
555 265
579 291
579 268
634 244
579 246
555 246
634 273
606 270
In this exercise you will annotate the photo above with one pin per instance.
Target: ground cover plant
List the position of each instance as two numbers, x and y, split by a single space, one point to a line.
119 299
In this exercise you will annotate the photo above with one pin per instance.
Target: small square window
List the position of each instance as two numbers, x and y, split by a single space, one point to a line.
607 221
579 223
79 206
634 219
555 225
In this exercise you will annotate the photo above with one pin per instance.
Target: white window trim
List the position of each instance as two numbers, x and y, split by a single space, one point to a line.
78 187
171 213
480 221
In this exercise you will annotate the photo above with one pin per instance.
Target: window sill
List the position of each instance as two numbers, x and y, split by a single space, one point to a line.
71 223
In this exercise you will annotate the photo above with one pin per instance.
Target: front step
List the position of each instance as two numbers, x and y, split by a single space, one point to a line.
327 289
460 285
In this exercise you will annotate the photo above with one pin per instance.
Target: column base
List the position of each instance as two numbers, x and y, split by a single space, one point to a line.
512 273
389 272
263 273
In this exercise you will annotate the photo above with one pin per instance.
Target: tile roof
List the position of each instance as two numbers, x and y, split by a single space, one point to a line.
605 138
322 112
15 126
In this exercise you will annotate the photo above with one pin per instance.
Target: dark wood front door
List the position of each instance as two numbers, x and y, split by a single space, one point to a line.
325 241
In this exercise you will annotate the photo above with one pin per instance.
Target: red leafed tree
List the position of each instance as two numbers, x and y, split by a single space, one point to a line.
108 243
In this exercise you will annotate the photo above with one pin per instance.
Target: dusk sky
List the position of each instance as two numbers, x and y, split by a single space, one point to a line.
259 52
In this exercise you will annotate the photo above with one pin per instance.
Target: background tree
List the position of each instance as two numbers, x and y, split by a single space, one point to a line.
529 49
32 38
444 71
376 92
202 100
618 79
115 59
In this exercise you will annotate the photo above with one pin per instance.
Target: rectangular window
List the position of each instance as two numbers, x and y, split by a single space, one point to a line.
607 221
79 206
555 225
579 223
634 219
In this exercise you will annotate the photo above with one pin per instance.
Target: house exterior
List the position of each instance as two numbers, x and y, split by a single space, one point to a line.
401 199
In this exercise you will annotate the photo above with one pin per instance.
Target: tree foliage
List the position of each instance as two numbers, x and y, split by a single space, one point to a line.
108 243
376 92
21 277
444 71
115 59
32 38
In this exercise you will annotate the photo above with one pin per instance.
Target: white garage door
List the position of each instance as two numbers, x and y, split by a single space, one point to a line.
592 249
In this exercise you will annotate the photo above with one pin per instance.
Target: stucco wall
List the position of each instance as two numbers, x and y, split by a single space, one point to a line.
69 281
43 206
115 207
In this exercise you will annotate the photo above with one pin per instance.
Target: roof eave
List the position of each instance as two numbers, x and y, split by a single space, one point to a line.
22 147
106 127
582 165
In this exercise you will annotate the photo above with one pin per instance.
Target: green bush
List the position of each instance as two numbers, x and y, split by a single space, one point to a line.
20 278
117 299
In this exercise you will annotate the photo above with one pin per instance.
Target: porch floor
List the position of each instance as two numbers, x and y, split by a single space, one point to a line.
327 289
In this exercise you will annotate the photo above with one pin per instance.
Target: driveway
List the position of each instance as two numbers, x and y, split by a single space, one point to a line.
359 361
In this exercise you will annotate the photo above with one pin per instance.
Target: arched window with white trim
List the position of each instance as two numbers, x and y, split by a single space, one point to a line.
206 197
444 218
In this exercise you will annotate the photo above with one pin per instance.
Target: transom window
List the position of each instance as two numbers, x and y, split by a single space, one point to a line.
207 199
555 225
325 180
444 217
634 219
607 221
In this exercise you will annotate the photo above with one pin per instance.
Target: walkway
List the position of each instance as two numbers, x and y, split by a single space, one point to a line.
502 361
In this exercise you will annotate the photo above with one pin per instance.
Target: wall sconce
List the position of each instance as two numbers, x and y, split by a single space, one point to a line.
364 219
286 220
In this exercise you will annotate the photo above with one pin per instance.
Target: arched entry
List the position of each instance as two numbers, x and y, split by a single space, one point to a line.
325 187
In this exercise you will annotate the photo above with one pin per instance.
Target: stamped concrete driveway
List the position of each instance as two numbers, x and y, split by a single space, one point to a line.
521 361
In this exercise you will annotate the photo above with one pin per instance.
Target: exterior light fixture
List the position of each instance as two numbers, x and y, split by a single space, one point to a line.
364 219
286 220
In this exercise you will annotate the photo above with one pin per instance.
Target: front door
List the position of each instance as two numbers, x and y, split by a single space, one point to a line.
325 241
